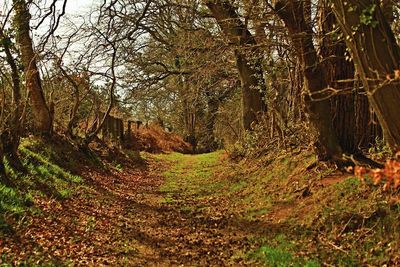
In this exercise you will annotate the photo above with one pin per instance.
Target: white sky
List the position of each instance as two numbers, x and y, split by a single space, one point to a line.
74 7
80 7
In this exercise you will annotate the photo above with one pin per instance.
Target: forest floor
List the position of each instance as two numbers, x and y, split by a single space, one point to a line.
141 209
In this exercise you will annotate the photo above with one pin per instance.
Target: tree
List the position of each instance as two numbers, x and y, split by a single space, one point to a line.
179 71
376 55
11 127
292 12
248 60
42 113
350 110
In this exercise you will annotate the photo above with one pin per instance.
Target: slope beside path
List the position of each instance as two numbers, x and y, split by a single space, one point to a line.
126 217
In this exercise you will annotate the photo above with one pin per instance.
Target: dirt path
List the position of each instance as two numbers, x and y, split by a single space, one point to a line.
168 228
200 210
124 219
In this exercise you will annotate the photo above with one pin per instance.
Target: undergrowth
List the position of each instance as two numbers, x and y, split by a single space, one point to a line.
154 139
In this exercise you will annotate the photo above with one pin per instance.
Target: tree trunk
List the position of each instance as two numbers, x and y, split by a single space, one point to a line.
212 110
376 56
4 179
350 109
368 127
316 102
129 130
190 123
248 60
121 130
3 175
11 135
42 116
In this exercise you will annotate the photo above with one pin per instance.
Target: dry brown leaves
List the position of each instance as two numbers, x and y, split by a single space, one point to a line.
389 175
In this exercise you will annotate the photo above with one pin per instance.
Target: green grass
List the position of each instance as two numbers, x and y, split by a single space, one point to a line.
47 173
346 223
205 175
190 174
12 203
237 186
47 177
280 257
280 253
42 177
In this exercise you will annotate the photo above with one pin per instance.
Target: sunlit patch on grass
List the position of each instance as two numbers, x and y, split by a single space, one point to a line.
190 174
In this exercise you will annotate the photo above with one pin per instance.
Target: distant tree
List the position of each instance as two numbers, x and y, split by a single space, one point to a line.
181 71
248 59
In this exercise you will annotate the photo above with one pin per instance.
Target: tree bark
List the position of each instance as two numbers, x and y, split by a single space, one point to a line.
11 135
3 175
212 110
317 103
42 117
376 56
248 60
350 109
190 122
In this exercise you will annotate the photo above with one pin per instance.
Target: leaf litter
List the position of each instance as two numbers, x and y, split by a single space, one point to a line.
119 219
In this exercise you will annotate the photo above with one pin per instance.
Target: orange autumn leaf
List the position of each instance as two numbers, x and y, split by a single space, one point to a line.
377 175
360 172
396 181
389 168
390 174
386 186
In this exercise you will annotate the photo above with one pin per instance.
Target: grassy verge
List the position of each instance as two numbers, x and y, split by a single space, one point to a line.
43 176
65 205
329 218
